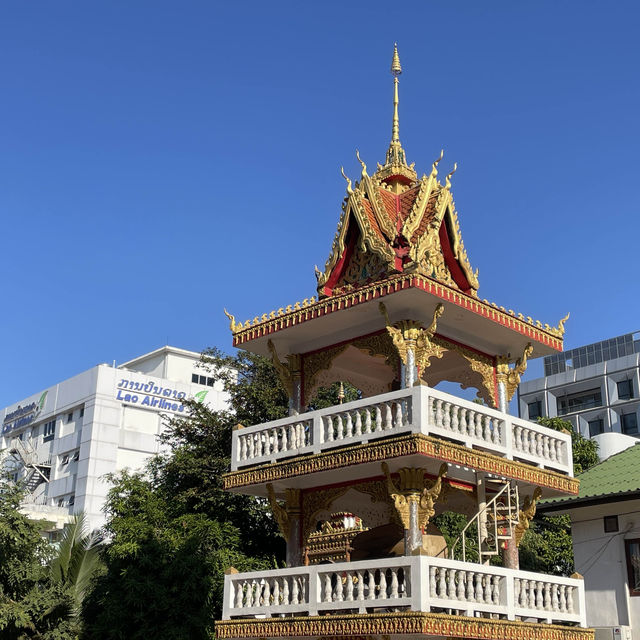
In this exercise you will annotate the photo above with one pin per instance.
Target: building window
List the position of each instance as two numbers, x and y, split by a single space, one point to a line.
82 412
595 427
203 380
611 524
534 409
629 423
632 552
72 500
61 502
625 390
65 459
70 416
76 456
49 430
579 401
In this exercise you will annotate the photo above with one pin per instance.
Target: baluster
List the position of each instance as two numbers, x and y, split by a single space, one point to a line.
495 590
432 582
388 416
462 577
252 594
251 449
545 447
552 449
454 418
469 586
239 588
367 420
479 418
284 443
446 415
242 441
517 440
360 577
486 421
276 591
349 425
442 584
517 591
258 444
451 584
406 412
327 588
539 446
547 596
497 431
339 427
292 437
478 591
555 605
539 595
383 584
525 440
397 414
438 415
563 598
358 423
378 418
349 586
394 583
266 594
462 421
525 593
487 588
295 591
371 585
285 590
266 443
329 427
560 451
569 599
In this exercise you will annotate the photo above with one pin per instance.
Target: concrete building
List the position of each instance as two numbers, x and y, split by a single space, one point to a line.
595 387
63 440
605 527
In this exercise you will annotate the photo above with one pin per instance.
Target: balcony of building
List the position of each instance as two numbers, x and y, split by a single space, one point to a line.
393 417
405 584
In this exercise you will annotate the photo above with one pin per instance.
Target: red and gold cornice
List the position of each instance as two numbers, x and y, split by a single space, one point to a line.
367 626
310 309
406 445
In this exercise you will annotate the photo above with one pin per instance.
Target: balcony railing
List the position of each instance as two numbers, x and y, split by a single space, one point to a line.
417 410
417 583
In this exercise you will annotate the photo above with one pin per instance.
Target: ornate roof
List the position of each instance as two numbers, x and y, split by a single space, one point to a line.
392 222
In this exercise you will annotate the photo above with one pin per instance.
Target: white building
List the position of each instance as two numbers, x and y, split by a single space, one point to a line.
605 527
595 387
63 440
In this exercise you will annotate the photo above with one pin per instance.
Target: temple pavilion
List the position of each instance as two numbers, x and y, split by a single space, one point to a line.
354 487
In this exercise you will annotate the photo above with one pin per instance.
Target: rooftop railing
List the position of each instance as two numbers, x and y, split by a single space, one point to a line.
416 410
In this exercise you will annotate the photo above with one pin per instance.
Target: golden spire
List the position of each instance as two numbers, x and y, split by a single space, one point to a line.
396 163
396 70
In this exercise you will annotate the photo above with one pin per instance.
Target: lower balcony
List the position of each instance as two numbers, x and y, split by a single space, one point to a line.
418 584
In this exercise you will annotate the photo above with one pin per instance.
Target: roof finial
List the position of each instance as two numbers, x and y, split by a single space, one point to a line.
396 70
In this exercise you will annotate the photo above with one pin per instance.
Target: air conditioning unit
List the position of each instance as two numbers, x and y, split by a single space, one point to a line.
620 632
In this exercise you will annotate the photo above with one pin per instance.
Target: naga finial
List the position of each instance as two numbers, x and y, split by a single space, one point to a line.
561 323
317 271
232 322
438 311
449 176
364 166
436 162
344 175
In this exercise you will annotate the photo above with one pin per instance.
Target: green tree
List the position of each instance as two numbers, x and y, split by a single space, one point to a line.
32 605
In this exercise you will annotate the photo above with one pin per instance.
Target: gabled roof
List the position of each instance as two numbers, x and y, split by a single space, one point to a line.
617 477
410 226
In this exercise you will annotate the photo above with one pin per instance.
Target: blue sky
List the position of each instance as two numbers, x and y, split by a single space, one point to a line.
162 160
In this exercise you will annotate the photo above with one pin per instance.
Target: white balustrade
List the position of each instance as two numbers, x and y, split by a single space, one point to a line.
416 410
410 583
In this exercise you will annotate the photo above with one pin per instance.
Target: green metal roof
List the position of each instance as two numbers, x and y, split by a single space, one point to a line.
615 476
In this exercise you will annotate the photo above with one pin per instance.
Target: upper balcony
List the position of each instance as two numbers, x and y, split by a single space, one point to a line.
420 411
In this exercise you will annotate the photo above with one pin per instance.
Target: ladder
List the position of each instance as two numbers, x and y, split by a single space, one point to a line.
36 472
494 523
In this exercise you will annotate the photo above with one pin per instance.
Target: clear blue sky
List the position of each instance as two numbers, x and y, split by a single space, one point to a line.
162 160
